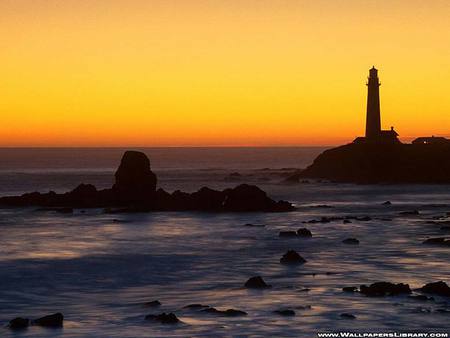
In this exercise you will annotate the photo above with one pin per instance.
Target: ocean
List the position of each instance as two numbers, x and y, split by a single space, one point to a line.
100 269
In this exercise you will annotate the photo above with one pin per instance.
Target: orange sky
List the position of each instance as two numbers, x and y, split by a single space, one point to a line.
219 72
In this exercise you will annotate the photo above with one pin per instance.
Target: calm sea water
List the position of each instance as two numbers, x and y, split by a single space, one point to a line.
99 269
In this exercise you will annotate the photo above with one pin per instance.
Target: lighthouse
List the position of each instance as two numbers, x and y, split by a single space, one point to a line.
373 118
374 133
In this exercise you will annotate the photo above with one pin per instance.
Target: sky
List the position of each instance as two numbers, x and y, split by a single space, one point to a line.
219 72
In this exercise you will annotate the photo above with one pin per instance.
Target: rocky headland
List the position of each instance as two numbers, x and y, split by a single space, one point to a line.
135 189
372 163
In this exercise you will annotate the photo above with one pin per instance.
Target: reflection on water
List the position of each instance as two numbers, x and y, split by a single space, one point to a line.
99 269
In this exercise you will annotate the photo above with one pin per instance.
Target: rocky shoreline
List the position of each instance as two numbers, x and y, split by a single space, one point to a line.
135 189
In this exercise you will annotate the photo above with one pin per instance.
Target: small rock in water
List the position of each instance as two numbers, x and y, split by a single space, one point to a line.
347 316
164 318
439 288
346 221
54 320
410 213
254 225
196 306
303 232
228 313
364 218
286 312
380 289
153 303
350 289
256 283
387 203
422 298
437 240
292 257
352 241
287 234
19 323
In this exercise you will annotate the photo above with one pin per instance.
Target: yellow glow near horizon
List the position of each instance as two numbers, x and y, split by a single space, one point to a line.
219 72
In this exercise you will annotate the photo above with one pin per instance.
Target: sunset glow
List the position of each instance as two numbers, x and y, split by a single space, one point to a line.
200 73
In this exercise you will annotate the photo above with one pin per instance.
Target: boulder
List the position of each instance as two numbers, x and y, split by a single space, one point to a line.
256 283
438 288
135 182
292 257
164 318
19 323
303 232
384 289
54 320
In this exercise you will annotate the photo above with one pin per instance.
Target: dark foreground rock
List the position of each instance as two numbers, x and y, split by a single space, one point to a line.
438 288
381 163
380 289
292 257
164 318
135 190
19 323
54 320
256 283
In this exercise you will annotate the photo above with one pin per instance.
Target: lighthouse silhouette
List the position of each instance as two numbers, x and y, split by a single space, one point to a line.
374 133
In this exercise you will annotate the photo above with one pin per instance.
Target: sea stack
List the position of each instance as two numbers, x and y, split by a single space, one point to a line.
135 182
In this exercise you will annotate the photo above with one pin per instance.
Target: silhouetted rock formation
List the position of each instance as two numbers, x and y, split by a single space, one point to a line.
135 182
135 190
381 163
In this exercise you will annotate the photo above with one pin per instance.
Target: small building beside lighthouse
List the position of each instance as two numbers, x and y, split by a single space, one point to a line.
374 133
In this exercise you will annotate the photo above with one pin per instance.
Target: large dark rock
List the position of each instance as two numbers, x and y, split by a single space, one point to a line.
382 163
54 320
135 182
384 289
439 288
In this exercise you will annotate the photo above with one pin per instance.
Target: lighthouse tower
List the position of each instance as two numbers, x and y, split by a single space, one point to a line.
373 118
374 134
